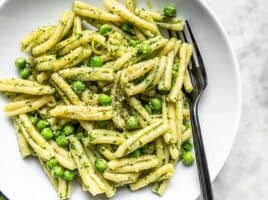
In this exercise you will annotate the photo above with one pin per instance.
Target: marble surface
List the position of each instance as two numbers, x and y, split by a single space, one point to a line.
245 174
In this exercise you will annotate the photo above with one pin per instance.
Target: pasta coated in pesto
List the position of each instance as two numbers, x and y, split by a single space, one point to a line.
101 98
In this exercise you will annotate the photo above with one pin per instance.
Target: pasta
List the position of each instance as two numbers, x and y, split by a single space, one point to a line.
24 106
92 12
62 28
109 189
25 149
166 171
102 98
24 87
84 113
88 74
53 180
86 170
64 189
138 167
127 15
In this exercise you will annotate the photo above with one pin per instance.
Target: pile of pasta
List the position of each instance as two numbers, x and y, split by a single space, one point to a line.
142 61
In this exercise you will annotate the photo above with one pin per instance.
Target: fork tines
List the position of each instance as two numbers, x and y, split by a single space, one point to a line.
187 36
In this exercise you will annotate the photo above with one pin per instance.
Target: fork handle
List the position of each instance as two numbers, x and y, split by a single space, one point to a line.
202 166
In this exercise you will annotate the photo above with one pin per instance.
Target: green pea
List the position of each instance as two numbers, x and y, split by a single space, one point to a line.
187 145
135 154
170 10
155 104
104 100
20 63
62 140
132 122
57 171
52 163
47 133
127 27
68 129
187 158
100 164
105 28
146 50
133 43
78 86
95 61
80 135
33 119
42 124
68 175
25 73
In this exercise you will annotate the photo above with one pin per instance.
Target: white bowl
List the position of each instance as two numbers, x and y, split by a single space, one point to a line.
219 108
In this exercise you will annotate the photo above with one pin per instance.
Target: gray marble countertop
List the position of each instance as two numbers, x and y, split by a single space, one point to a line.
245 174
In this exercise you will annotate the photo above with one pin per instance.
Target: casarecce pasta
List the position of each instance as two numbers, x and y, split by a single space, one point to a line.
104 104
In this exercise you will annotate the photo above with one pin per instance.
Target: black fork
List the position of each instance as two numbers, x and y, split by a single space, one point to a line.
198 77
